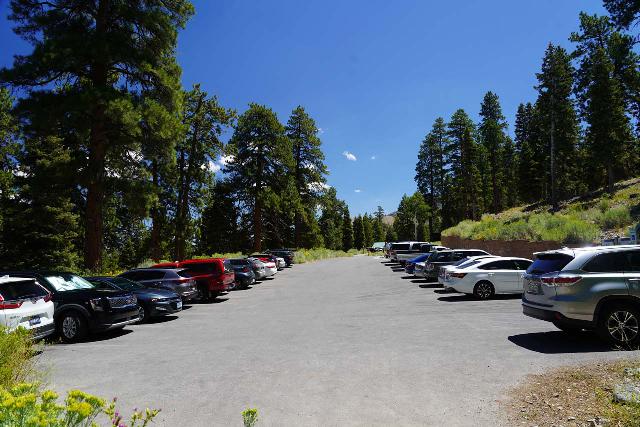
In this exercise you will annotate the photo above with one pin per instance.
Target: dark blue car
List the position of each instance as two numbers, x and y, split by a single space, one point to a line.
411 264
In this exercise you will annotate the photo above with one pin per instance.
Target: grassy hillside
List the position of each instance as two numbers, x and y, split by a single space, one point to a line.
584 219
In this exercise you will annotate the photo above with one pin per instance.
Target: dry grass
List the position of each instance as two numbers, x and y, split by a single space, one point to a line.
572 396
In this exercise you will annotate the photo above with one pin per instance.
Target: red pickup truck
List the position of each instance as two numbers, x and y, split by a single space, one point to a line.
210 274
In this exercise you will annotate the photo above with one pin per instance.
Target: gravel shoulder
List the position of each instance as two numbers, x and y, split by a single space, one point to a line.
338 342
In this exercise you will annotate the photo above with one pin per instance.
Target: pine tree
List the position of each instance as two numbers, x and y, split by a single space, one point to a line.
530 157
358 233
607 87
204 121
623 12
260 170
558 123
347 230
219 228
412 217
103 52
367 225
431 172
330 222
462 156
492 132
510 175
9 149
309 174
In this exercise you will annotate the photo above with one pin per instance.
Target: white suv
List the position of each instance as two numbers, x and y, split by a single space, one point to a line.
24 303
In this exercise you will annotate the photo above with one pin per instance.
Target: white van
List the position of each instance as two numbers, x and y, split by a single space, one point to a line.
24 303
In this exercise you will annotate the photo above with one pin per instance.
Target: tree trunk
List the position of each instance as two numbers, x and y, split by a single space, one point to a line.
257 224
179 232
611 179
155 217
299 185
98 142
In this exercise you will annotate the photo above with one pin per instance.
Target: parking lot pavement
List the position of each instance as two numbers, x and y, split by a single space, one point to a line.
339 342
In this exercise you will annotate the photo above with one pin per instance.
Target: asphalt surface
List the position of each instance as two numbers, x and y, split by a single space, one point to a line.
340 342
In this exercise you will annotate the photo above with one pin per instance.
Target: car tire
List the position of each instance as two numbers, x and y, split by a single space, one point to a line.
72 326
569 329
143 314
484 290
620 325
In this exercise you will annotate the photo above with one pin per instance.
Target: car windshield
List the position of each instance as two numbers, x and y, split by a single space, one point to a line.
125 284
68 282
548 263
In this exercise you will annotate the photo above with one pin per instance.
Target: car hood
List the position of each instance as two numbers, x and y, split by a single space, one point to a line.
93 293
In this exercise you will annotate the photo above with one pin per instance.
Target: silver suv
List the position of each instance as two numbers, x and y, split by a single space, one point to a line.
594 288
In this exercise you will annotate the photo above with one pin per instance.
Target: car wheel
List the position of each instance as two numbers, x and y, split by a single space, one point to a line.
142 313
72 327
620 325
484 290
569 329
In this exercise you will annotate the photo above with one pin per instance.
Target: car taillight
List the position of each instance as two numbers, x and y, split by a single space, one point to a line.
8 305
245 270
47 298
457 275
561 280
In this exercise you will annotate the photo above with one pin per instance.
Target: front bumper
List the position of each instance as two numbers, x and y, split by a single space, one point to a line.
162 308
189 295
105 321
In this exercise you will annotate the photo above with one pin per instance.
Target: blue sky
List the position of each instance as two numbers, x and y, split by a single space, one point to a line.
374 74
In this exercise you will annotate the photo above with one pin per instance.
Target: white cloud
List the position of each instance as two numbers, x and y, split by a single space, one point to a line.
349 156
357 190
320 131
373 157
212 166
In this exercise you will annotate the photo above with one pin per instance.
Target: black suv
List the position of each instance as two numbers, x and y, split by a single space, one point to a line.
287 254
80 307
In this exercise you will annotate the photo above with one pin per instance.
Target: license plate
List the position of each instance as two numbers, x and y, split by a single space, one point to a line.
179 305
534 288
34 321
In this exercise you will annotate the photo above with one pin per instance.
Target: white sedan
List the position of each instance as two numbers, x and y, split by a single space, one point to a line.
443 273
490 276
24 303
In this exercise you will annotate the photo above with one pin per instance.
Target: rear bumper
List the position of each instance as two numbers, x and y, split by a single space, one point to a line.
553 316
43 331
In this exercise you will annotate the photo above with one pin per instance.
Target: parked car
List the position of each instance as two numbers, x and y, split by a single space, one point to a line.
211 275
463 263
26 304
376 247
270 262
288 255
243 269
439 259
281 263
596 288
177 280
410 265
489 276
151 302
403 251
259 269
80 307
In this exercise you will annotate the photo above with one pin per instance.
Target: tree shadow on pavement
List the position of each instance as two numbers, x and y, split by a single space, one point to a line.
556 342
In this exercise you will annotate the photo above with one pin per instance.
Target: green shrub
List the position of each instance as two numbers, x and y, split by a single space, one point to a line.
16 357
316 254
26 405
250 417
615 218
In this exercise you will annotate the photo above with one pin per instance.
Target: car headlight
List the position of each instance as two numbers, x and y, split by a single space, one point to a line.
96 304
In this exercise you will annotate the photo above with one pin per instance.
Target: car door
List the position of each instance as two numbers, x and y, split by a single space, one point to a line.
633 276
503 274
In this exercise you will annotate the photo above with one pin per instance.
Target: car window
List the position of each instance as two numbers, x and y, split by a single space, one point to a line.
608 263
426 248
522 264
400 247
147 275
202 267
184 273
440 257
505 264
634 260
19 289
548 263
68 282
